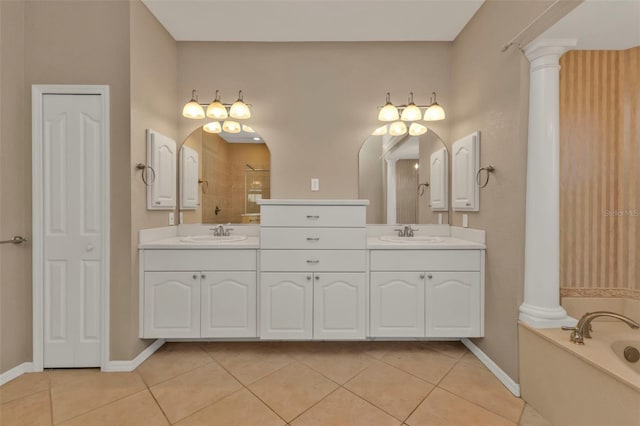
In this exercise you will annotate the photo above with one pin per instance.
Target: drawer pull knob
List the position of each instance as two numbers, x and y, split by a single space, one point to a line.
429 276
313 239
317 277
422 276
195 276
203 276
313 261
313 217
308 277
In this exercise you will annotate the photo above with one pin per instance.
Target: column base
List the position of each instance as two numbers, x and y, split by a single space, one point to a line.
538 317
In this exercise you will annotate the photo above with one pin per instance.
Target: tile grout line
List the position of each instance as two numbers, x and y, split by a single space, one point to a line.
247 386
475 403
178 375
374 405
419 404
315 403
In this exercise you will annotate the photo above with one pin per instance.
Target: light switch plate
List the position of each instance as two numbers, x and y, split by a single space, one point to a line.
465 220
172 218
315 184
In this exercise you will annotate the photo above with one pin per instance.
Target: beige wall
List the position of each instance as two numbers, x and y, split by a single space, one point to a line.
153 72
599 173
490 94
15 190
314 103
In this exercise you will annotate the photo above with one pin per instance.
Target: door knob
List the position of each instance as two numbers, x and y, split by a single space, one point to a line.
90 247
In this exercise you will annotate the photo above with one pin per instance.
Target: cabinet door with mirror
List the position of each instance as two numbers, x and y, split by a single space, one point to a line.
405 178
223 176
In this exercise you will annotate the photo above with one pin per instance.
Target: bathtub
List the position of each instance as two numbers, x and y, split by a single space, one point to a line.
582 385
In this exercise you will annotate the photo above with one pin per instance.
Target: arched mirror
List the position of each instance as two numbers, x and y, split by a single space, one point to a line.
222 176
405 178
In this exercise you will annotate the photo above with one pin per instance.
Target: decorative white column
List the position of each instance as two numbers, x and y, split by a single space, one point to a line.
541 307
391 191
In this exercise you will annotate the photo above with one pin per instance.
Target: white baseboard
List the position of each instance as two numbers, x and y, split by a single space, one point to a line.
507 381
114 366
17 371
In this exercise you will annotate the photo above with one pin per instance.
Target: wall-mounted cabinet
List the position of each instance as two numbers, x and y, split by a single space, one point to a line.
162 160
439 175
465 191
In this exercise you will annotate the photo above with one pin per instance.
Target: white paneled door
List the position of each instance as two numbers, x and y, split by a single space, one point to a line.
72 138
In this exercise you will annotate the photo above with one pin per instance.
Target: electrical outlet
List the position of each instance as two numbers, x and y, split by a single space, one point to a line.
172 218
465 220
315 184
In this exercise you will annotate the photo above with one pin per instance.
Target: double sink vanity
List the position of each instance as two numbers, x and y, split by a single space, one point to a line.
312 270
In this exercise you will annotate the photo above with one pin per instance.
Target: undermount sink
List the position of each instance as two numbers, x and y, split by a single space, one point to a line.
410 240
213 239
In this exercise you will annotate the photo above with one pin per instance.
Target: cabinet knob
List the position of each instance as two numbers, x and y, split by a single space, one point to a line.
422 276
317 277
203 276
195 276
429 276
308 277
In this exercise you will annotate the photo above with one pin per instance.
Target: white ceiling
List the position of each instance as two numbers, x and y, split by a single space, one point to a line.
600 25
314 20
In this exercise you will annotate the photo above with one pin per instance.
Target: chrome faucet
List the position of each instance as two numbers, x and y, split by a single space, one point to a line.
220 231
583 329
405 231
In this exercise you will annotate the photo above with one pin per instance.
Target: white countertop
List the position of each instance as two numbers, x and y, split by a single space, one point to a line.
443 243
178 243
373 243
312 202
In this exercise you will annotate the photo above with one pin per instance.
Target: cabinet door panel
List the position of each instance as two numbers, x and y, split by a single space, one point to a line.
453 304
228 304
397 304
286 302
339 306
171 304
162 158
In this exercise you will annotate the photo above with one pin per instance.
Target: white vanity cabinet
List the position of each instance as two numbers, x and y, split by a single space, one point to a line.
198 293
427 293
313 283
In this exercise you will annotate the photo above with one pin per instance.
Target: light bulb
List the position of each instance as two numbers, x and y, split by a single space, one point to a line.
193 109
239 109
435 112
411 112
382 130
388 112
397 128
213 127
247 129
416 129
231 126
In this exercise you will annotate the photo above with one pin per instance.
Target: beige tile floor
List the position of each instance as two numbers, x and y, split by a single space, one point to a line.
277 383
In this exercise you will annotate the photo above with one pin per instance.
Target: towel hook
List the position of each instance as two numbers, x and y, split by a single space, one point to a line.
205 185
489 169
145 173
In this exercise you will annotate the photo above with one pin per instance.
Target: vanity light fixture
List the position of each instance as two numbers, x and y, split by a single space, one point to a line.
411 112
382 130
388 112
193 109
408 113
219 111
213 127
397 128
416 129
434 112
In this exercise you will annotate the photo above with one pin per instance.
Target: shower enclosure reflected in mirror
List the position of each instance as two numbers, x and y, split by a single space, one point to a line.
405 178
233 174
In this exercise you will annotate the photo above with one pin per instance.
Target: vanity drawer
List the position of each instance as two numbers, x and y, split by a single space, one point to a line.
313 260
314 238
425 260
313 216
200 260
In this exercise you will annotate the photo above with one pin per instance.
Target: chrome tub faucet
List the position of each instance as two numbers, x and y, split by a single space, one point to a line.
583 329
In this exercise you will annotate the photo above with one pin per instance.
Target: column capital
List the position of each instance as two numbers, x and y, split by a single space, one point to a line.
548 47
